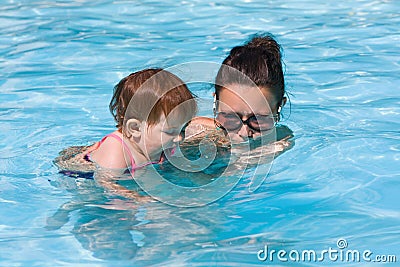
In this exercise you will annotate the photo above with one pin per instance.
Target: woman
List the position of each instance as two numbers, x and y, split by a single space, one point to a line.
249 93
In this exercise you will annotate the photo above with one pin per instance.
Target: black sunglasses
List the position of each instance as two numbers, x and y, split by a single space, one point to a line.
232 121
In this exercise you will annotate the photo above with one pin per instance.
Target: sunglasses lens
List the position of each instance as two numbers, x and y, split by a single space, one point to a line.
230 121
261 123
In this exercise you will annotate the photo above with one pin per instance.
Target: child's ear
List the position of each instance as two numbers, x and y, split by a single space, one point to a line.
132 128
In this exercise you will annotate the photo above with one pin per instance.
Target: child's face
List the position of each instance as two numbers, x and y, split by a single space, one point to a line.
163 136
246 101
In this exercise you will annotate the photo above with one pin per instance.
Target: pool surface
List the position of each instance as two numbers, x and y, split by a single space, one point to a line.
337 188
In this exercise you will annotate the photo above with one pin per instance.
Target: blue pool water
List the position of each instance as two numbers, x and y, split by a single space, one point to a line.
59 61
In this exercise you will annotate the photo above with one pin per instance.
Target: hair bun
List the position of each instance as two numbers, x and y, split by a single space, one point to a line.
237 51
267 43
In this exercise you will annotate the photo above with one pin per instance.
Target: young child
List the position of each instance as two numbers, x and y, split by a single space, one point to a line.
151 108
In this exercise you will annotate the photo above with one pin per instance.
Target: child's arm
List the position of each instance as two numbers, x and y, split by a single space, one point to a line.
108 180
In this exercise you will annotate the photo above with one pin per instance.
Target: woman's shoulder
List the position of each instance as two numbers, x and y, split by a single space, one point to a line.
75 159
206 121
203 127
198 126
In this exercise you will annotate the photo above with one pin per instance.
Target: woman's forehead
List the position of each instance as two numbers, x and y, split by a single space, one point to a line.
247 99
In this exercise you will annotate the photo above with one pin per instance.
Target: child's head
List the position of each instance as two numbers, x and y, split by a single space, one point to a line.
157 86
248 72
153 102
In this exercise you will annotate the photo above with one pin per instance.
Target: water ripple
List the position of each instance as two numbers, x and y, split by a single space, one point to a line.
59 62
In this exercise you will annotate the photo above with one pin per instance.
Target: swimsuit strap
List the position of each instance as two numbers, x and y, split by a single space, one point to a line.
145 164
133 165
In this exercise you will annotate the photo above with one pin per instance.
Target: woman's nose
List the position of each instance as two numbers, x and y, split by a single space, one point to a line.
245 132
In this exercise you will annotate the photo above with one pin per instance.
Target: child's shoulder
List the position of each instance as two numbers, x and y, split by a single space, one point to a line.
110 154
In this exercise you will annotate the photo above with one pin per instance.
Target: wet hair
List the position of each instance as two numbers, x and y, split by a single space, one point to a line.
160 92
259 62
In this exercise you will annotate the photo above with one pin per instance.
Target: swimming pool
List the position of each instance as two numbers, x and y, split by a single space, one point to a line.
340 182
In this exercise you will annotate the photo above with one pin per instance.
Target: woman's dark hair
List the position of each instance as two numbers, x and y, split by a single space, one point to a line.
258 62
